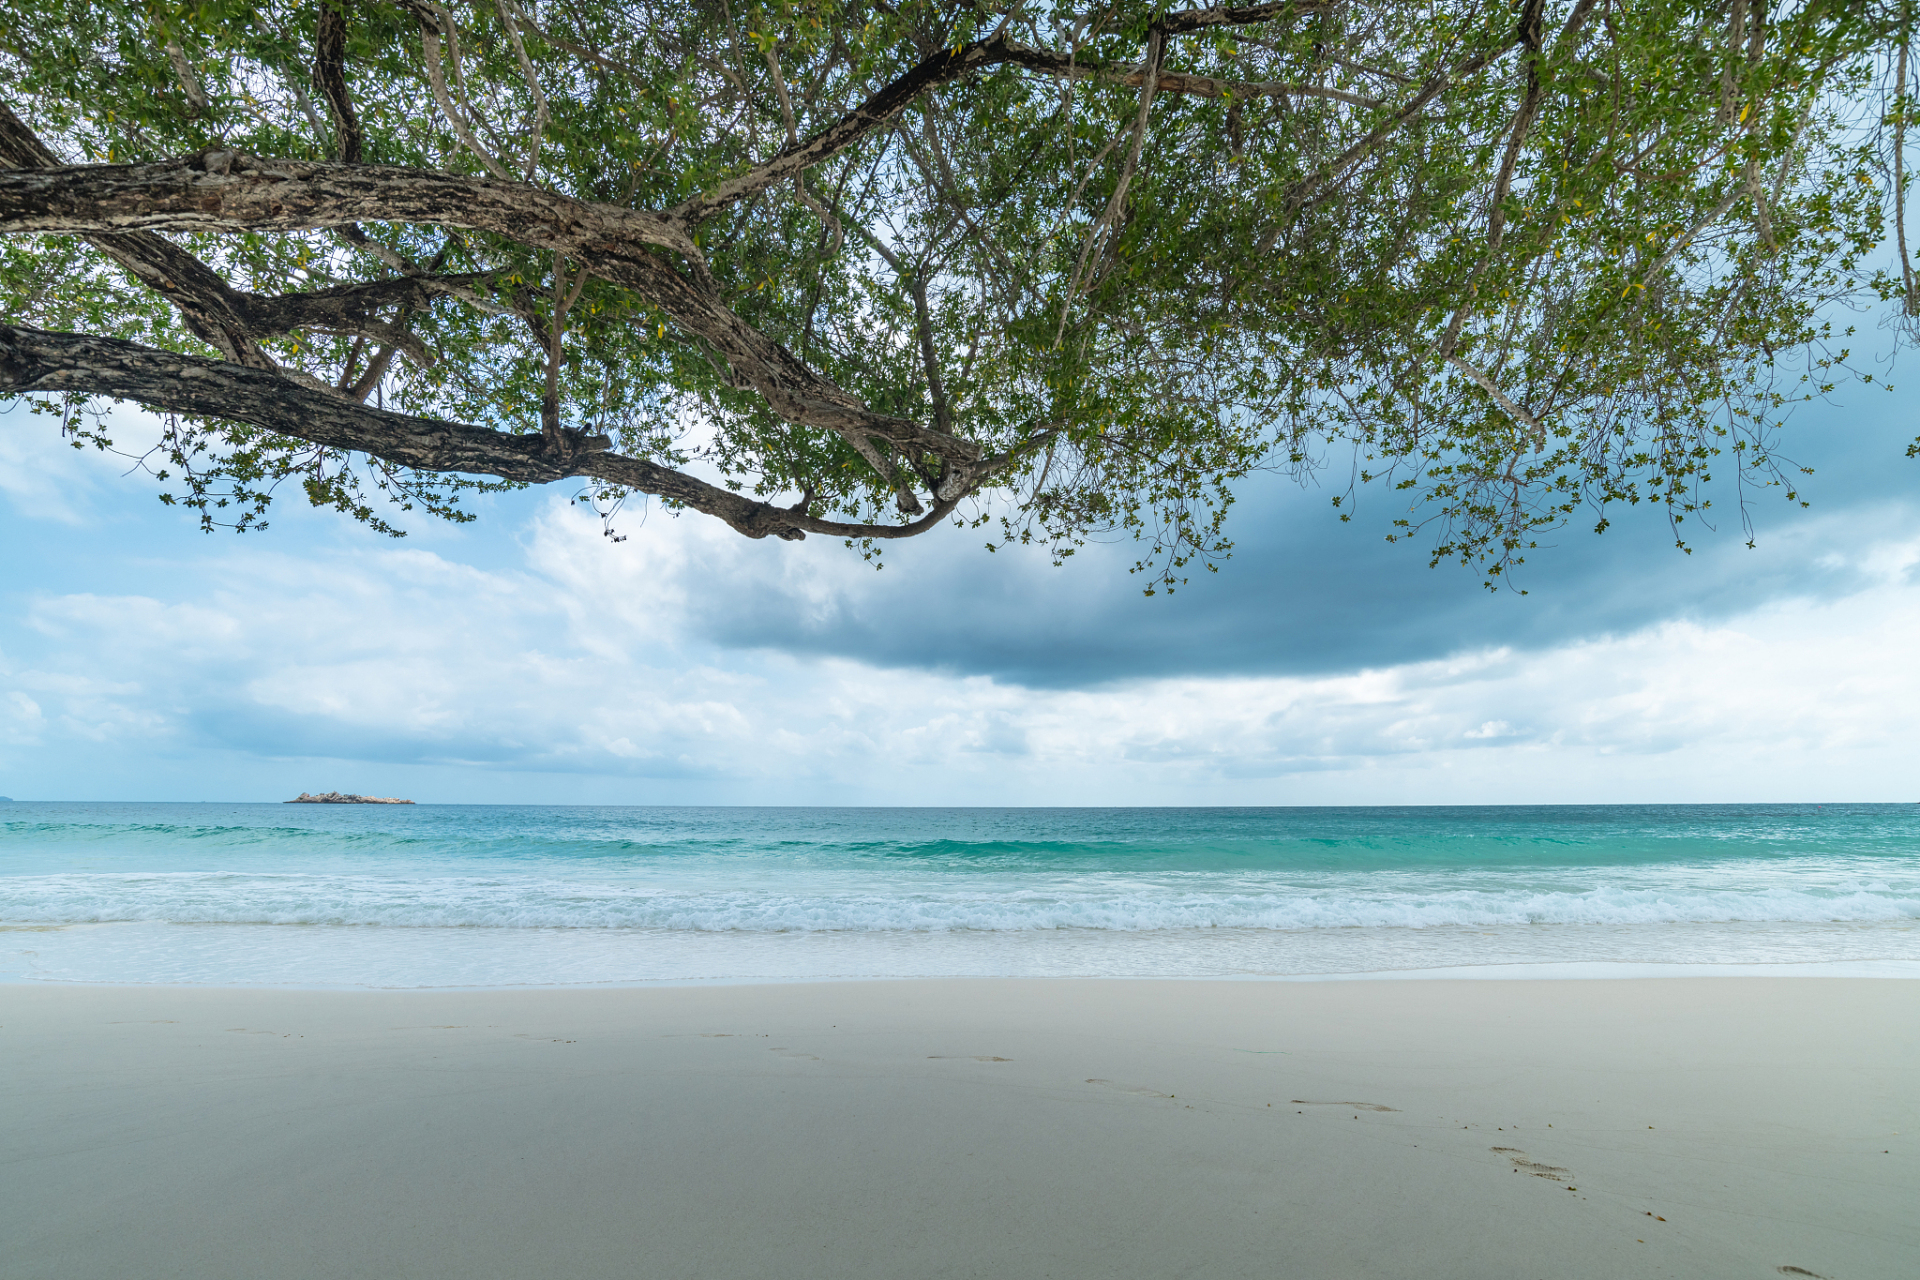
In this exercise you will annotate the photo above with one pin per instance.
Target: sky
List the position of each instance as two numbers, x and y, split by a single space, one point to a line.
527 659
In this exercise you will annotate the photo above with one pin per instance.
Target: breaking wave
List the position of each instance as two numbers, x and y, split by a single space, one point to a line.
1005 905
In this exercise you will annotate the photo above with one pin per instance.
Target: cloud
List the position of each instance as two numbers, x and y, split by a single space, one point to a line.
528 658
581 664
1303 594
41 477
21 719
44 477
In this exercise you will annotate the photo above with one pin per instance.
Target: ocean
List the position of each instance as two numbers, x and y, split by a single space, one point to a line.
509 895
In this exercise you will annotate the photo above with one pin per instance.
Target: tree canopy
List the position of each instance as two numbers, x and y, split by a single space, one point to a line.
859 268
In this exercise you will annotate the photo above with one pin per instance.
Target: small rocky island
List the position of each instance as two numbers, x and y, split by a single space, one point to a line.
335 797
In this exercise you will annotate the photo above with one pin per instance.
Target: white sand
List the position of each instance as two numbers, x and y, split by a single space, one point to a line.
963 1128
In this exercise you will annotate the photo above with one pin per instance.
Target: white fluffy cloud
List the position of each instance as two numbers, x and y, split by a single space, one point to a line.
580 673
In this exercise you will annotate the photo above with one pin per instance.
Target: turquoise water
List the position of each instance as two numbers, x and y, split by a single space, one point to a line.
453 895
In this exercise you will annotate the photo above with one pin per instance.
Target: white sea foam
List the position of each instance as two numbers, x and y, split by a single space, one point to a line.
274 955
449 896
827 904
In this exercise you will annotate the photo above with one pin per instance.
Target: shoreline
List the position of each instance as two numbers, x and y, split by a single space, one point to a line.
966 1127
407 956
1891 970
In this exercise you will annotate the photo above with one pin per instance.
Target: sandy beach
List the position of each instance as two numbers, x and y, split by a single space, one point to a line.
1716 1127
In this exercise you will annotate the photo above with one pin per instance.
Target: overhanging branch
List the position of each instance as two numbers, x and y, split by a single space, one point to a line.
228 191
1178 82
879 108
998 49
232 191
1189 20
34 360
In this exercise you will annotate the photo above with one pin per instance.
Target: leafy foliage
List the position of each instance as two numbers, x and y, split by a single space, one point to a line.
1521 260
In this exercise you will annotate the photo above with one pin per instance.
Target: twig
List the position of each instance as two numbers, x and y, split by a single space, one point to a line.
1727 202
183 71
1496 212
329 74
1432 89
437 81
1512 410
563 300
540 116
1149 81
820 211
1910 302
1070 68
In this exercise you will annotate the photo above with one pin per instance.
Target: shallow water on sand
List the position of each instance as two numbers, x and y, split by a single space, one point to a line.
447 895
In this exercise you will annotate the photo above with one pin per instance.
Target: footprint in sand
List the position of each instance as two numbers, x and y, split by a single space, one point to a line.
1523 1165
1351 1106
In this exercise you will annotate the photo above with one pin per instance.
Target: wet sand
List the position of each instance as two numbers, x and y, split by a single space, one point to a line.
1683 1127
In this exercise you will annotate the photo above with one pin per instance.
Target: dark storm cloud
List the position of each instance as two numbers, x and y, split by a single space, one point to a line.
1306 594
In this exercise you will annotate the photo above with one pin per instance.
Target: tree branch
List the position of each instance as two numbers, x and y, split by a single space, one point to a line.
233 321
34 360
951 64
346 308
1432 89
432 23
1176 82
1910 296
877 110
507 16
1529 32
330 75
564 295
183 71
213 311
790 388
1534 426
1189 20
1149 81
231 191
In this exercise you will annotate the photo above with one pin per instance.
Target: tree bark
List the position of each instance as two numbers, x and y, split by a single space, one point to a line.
231 191
34 360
